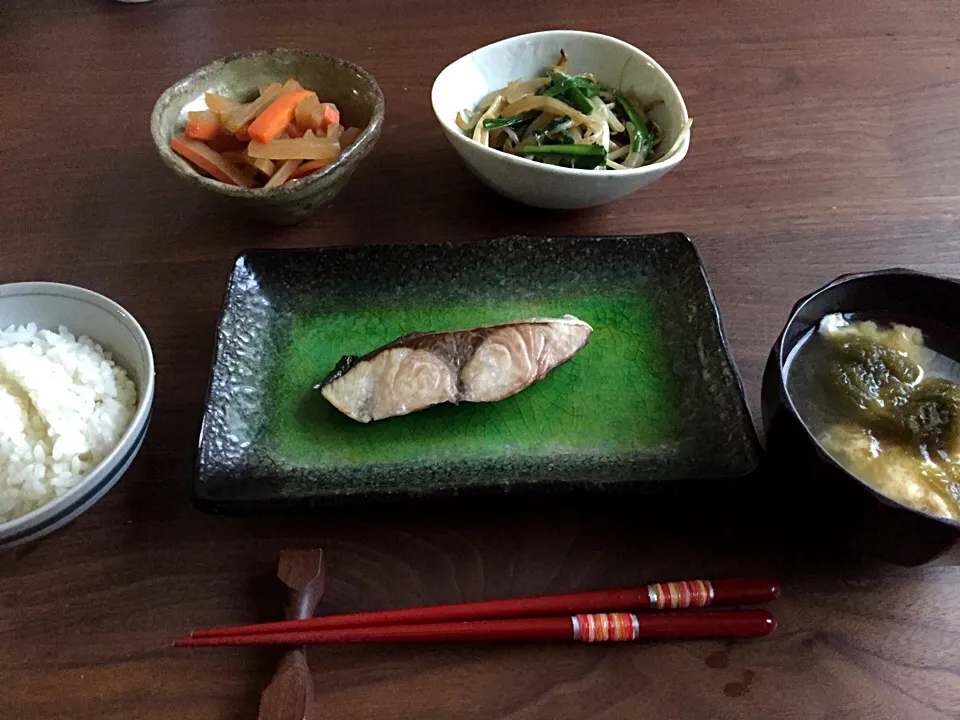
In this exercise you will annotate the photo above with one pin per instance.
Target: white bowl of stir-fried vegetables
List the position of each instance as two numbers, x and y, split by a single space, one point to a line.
562 119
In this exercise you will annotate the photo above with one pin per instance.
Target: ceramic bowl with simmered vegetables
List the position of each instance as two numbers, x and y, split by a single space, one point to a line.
861 404
562 119
275 134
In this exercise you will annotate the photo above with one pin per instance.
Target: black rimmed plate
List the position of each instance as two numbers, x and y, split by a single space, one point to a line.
653 398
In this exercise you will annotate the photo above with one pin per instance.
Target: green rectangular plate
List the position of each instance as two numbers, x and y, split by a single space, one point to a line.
653 397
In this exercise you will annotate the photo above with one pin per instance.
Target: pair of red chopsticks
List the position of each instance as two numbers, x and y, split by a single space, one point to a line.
585 617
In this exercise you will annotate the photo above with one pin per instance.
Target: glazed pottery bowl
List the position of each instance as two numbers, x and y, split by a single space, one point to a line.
83 312
350 87
615 63
827 501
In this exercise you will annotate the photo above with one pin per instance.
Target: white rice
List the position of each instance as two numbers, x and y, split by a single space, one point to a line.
64 405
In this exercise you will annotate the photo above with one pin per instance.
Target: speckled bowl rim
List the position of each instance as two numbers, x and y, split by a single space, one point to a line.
454 132
356 152
59 510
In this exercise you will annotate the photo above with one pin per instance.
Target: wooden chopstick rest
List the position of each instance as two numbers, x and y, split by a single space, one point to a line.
290 694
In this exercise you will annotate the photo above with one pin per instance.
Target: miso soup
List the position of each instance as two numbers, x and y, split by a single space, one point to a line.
883 398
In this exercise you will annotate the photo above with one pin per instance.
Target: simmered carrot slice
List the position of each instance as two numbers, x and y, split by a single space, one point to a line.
239 116
202 125
309 167
272 121
329 115
210 161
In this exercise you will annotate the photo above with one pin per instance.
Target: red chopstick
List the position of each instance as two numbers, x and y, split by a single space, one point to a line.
658 596
610 627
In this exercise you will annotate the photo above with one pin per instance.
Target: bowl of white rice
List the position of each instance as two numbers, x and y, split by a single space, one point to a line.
76 390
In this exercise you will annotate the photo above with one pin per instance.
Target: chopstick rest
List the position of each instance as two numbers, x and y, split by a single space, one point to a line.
290 693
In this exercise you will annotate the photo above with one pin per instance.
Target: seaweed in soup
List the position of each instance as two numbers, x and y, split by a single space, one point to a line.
878 400
930 415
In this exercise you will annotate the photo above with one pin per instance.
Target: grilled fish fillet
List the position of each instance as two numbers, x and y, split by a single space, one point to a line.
482 364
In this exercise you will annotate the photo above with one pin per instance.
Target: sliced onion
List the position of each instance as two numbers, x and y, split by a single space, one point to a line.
513 91
469 123
607 113
541 121
621 152
553 106
520 89
480 133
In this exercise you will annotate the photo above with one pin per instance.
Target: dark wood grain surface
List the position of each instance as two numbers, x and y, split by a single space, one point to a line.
825 141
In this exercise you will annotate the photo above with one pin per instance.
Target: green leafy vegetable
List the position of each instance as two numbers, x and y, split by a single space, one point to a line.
579 150
578 100
502 122
643 140
582 156
560 83
577 91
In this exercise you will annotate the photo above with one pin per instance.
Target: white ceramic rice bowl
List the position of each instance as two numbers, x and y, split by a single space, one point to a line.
618 64
83 312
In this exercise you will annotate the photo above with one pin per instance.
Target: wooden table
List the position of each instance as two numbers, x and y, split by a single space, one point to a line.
825 141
